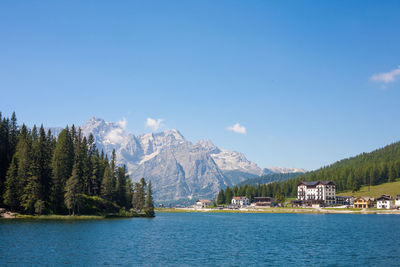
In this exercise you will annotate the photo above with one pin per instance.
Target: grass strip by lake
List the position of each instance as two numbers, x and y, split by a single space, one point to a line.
74 217
60 217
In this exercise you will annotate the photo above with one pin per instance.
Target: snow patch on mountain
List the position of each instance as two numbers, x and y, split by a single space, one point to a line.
285 170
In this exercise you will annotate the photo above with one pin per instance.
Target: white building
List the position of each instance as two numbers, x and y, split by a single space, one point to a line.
385 202
344 200
397 201
240 201
317 191
202 203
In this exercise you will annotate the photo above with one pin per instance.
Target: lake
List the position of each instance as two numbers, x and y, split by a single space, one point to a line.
205 239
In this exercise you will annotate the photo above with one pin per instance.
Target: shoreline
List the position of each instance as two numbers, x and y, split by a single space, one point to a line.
282 210
17 216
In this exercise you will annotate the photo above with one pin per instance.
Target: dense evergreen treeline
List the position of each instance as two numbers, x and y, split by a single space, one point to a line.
250 191
41 174
377 167
269 178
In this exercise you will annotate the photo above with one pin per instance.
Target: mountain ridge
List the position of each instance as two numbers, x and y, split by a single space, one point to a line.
177 167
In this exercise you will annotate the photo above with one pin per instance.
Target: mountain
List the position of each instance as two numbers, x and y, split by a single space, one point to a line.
177 168
286 170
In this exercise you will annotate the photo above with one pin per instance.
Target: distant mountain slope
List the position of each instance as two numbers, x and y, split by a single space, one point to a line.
274 177
177 168
286 170
377 167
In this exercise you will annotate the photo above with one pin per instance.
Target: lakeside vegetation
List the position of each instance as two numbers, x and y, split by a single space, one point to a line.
68 175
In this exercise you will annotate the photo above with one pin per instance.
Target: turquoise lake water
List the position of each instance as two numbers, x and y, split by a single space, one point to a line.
205 239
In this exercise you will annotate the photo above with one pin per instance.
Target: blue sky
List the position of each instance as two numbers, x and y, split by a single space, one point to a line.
311 82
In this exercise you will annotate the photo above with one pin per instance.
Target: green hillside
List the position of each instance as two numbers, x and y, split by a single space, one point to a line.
392 189
374 168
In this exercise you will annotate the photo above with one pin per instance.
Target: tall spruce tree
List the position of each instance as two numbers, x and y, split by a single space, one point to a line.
221 197
62 164
4 144
73 189
149 206
41 164
139 195
228 195
29 184
120 187
129 193
12 192
13 136
107 185
8 142
97 175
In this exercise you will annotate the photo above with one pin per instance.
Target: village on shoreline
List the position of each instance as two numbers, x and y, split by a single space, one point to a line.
312 197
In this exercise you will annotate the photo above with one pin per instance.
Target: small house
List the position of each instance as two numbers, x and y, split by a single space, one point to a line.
397 201
385 202
202 203
240 201
363 203
344 200
263 201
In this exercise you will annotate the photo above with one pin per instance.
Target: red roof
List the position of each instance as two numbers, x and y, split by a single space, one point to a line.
238 198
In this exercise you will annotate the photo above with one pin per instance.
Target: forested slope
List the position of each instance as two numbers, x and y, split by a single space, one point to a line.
377 167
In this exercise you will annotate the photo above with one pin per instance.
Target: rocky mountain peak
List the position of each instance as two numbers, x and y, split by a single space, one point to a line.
177 168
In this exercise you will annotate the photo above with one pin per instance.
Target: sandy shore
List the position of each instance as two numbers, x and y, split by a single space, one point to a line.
7 214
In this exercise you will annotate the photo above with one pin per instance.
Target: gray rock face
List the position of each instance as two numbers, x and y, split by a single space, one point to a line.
177 168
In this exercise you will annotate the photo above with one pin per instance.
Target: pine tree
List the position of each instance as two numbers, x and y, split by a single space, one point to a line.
97 174
29 183
139 195
228 195
149 206
13 136
129 193
79 154
91 154
62 163
249 193
87 167
4 147
73 189
12 193
41 170
121 186
221 197
107 185
31 194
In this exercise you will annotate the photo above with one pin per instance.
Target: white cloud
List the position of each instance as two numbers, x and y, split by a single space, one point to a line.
237 128
117 134
386 77
122 123
154 124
